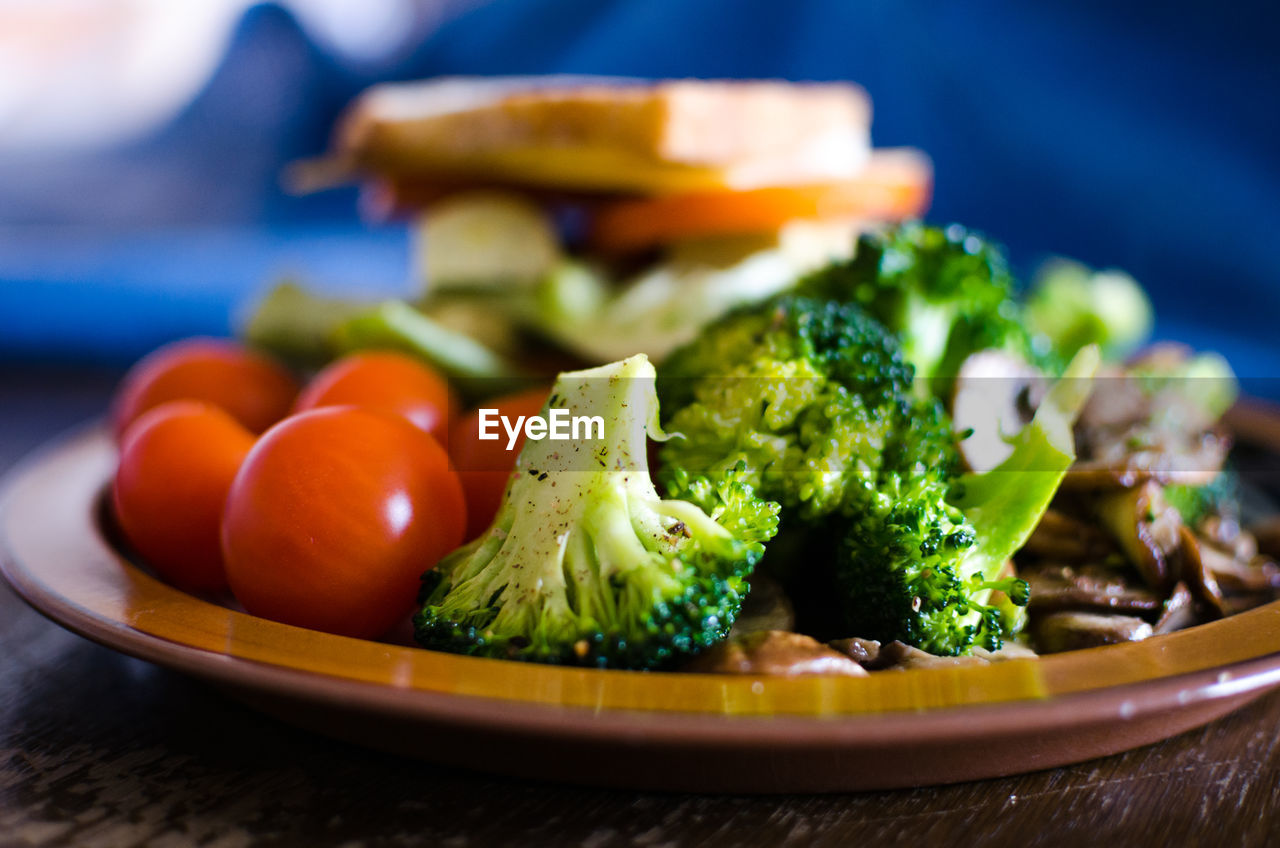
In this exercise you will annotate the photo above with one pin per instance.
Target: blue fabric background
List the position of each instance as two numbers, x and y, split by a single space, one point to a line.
1140 136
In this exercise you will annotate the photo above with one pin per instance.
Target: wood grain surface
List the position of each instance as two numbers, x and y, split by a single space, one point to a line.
97 749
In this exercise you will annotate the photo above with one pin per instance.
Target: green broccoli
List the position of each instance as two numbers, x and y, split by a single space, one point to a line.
585 563
812 400
946 293
1073 306
920 565
808 395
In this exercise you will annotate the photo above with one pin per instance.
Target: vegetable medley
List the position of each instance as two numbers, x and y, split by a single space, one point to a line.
896 461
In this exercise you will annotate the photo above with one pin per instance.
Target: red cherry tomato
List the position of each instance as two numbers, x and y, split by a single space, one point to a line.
385 381
177 462
256 390
484 466
335 515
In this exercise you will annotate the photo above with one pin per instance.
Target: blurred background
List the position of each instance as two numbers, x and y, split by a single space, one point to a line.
142 141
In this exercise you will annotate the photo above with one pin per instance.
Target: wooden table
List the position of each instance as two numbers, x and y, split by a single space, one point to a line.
97 749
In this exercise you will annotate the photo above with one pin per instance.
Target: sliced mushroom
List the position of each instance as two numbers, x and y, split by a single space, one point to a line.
1188 391
865 652
1267 532
775 653
1061 537
1199 579
1116 403
1162 356
1193 462
1152 390
873 656
996 395
1145 423
1145 527
1179 611
1225 533
1058 586
1240 576
1095 476
1239 603
767 607
1071 631
1010 651
901 656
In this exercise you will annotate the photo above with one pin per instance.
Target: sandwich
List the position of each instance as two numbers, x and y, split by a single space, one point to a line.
608 216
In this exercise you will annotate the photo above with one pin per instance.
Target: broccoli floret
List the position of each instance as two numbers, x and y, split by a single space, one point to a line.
808 395
813 400
946 292
1073 306
585 563
926 573
900 572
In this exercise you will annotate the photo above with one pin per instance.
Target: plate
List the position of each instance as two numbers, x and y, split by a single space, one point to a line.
689 732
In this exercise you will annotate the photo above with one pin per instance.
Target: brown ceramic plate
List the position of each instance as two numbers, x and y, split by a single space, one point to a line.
644 730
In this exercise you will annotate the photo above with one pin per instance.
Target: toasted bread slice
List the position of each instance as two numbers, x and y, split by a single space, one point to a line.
609 135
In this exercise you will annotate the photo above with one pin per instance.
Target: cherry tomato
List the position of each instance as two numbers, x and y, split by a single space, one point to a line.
484 466
385 381
256 390
177 462
335 515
